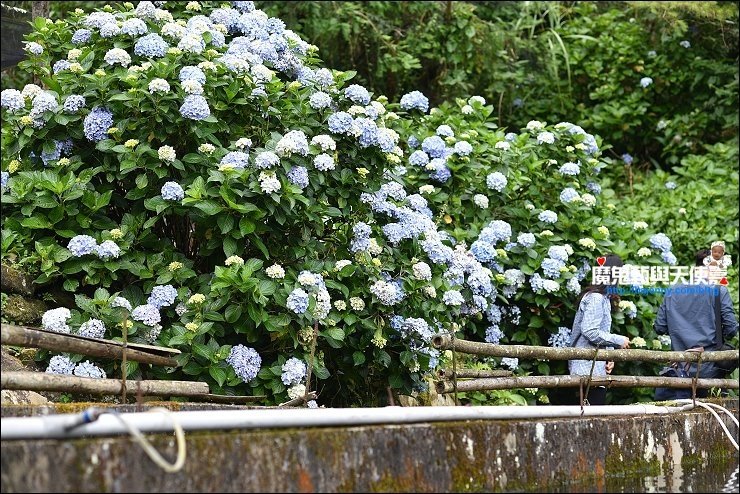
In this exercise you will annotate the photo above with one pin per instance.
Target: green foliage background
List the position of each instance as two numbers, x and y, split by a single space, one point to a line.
579 62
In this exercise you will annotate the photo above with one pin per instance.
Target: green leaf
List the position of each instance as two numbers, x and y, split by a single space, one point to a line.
358 358
218 374
335 332
210 208
232 313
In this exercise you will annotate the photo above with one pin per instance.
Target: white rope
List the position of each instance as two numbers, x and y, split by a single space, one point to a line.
710 406
149 449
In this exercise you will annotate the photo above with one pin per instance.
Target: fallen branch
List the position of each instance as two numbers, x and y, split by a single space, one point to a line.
445 342
41 381
300 400
575 381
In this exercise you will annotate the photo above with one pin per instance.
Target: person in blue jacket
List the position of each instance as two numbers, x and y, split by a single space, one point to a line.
688 315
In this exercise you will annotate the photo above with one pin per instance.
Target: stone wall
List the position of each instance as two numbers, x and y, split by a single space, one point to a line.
551 455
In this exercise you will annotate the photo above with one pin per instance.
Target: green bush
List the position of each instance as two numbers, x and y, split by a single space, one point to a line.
396 227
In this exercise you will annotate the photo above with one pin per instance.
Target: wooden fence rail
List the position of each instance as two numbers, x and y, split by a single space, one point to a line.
445 342
41 381
38 338
575 381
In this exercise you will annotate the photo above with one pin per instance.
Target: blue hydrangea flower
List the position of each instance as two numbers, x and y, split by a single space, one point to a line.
670 185
415 100
4 177
548 216
245 361
172 191
669 258
445 131
94 328
190 72
545 138
571 169
323 78
151 45
108 250
494 334
60 364
569 195
367 131
110 30
60 65
453 298
12 100
235 159
441 174
594 188
121 302
551 267
298 175
419 158
98 19
510 136
357 94
646 81
627 158
162 296
496 181
661 241
97 123
525 239
43 102
195 107
146 314
319 100
74 103
81 36
81 245
134 27
463 148
434 146
340 122
361 240
266 159
324 162
87 369
297 301
294 371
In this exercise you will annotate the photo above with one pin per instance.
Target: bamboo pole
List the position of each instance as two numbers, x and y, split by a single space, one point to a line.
30 337
41 381
471 373
574 381
445 342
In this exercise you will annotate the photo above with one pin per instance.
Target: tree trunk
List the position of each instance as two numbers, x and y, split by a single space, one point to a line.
39 9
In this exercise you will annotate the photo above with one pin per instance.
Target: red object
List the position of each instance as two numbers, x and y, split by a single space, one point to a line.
601 260
723 281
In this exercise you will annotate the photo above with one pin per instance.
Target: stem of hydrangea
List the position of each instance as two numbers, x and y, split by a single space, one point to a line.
310 364
124 367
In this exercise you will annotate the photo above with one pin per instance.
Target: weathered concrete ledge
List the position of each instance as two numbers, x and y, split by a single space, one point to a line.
555 455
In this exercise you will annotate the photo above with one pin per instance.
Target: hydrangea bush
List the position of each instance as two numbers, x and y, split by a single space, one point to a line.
197 180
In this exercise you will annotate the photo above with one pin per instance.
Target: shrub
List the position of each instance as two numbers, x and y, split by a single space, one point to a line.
196 180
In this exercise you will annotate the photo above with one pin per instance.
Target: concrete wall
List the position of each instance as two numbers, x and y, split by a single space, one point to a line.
561 455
